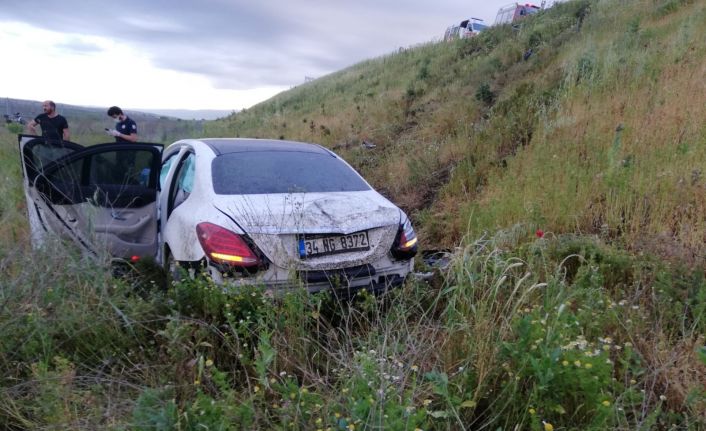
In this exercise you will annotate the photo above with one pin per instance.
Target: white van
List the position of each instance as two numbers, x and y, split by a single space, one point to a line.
467 28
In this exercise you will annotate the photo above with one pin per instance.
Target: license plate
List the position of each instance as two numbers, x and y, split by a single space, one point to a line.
322 245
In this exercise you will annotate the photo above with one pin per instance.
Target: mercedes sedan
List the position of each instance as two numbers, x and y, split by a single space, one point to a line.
244 211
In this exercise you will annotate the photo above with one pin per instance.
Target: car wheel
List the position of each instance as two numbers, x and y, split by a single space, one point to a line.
177 271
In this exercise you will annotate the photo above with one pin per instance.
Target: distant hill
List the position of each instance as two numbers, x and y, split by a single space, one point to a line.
191 114
87 123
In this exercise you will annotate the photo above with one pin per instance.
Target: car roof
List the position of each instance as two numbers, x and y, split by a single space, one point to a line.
222 146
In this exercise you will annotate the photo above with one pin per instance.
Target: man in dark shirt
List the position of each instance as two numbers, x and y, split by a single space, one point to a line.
54 126
125 128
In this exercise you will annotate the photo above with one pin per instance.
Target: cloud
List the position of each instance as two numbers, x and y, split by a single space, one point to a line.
74 45
239 44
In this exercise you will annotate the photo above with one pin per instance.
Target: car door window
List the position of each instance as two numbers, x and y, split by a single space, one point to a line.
121 167
184 182
120 177
165 170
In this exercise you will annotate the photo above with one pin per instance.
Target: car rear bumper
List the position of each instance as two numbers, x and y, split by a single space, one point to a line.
376 277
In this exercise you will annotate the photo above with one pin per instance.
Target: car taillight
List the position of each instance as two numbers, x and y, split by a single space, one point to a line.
225 247
405 245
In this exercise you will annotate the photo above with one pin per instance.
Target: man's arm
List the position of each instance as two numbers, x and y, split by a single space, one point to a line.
132 137
67 134
31 127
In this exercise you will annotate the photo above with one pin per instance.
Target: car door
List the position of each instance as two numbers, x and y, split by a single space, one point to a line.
103 197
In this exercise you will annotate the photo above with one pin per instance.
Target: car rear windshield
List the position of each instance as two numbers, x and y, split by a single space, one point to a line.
249 173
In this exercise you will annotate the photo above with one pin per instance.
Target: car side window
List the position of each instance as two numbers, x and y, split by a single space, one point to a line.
164 171
184 181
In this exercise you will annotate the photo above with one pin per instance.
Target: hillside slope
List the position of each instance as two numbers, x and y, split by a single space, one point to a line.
600 130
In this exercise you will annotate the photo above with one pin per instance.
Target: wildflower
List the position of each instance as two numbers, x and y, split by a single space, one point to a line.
633 381
577 363
351 427
532 411
426 402
548 426
319 421
197 382
337 415
663 398
256 389
305 390
565 363
418 429
588 365
414 368
344 390
273 380
209 362
606 403
539 233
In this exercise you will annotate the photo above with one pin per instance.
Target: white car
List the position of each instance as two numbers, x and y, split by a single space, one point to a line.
248 211
466 29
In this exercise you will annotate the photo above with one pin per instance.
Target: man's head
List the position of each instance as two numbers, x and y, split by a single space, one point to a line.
115 113
48 107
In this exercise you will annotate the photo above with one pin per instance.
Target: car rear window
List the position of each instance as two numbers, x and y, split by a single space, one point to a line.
249 173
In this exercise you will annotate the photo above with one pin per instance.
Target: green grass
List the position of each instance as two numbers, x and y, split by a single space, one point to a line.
568 331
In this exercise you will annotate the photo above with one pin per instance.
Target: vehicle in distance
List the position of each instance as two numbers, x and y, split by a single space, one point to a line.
513 12
467 28
247 211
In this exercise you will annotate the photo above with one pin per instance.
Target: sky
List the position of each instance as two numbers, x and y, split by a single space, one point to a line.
205 54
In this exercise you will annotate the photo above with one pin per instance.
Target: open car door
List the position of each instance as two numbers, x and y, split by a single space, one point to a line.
102 197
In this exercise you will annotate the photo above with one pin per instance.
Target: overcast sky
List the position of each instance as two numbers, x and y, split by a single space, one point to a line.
206 54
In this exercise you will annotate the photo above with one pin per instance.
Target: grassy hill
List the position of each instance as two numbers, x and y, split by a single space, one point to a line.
599 131
569 183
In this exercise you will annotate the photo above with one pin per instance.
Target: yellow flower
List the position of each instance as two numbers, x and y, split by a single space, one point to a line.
532 411
633 381
209 362
418 429
256 388
351 427
338 415
426 402
589 365
319 421
415 368
197 382
548 426
344 390
577 363
305 390
606 403
565 363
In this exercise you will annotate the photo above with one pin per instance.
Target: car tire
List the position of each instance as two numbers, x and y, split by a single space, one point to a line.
178 270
